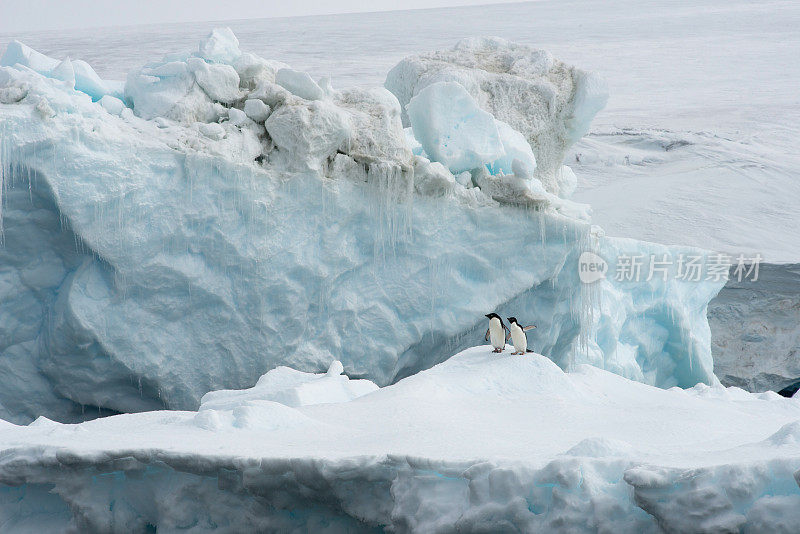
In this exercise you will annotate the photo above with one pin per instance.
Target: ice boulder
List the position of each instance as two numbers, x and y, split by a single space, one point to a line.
220 82
169 90
221 46
87 81
307 133
452 129
256 110
299 83
549 102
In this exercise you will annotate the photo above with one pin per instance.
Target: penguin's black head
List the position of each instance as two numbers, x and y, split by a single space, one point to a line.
493 316
512 320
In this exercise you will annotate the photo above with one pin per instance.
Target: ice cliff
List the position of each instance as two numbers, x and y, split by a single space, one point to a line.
221 215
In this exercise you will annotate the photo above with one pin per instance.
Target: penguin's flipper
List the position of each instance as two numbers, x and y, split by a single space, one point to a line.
529 327
486 337
508 335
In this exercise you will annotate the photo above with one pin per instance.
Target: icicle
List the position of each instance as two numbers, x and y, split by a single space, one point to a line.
589 300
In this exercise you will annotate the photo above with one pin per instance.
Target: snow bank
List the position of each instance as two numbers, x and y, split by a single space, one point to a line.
549 102
292 388
147 262
481 442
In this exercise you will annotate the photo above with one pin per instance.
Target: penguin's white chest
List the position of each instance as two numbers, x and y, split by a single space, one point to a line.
496 333
519 338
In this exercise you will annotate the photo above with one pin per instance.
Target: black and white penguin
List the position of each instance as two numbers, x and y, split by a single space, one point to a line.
518 337
496 332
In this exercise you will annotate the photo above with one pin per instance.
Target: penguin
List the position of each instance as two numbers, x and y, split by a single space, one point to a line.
496 331
518 337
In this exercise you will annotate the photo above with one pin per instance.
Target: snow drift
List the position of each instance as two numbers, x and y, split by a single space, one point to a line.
481 442
225 215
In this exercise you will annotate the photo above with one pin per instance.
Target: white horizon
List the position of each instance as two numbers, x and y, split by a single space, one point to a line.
49 15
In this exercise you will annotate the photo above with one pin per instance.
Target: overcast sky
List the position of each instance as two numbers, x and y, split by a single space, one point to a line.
32 15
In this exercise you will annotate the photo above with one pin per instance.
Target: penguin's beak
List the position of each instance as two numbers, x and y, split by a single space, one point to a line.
488 316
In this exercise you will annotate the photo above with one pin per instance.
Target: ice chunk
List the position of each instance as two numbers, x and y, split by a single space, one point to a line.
515 148
212 130
254 70
111 104
168 90
87 81
299 83
549 102
432 179
65 72
76 73
452 129
376 133
220 82
221 46
237 117
567 181
256 110
18 53
308 133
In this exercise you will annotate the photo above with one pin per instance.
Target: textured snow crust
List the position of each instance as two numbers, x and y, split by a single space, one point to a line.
151 261
481 442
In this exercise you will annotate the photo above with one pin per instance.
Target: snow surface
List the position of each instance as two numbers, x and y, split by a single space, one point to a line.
697 145
480 442
151 261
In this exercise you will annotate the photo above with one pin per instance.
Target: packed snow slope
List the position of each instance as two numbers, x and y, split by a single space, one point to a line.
698 142
482 442
230 214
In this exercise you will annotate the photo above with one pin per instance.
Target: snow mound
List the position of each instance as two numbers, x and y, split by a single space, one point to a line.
476 443
292 388
549 102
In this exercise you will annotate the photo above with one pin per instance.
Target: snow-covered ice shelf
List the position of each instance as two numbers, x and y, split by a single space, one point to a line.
479 442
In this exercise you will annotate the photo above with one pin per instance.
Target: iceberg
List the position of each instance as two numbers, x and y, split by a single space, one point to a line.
480 442
195 239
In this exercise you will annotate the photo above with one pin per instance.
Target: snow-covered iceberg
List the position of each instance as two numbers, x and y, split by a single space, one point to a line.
226 215
480 443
